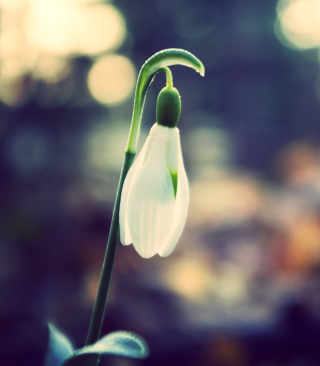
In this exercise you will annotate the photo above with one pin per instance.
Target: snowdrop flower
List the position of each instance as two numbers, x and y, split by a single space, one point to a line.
155 194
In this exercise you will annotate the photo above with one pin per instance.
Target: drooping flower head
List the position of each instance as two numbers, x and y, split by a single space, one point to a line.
155 195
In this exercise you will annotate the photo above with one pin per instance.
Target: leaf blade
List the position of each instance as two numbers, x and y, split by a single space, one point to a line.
119 343
59 348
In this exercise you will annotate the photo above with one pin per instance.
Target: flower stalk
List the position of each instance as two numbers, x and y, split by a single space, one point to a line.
158 62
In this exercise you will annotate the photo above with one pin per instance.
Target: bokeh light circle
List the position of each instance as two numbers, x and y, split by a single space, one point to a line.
105 29
111 79
298 23
64 27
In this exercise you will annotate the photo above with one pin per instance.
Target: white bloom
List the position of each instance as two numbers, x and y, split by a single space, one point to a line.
155 195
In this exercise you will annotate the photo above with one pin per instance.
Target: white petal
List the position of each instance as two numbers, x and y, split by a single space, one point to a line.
125 236
180 207
173 147
151 199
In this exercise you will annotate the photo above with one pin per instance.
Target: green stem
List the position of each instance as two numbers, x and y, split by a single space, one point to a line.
162 59
107 268
106 274
151 67
168 76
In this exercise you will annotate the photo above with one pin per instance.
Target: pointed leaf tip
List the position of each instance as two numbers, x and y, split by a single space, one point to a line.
119 343
202 70
59 347
124 343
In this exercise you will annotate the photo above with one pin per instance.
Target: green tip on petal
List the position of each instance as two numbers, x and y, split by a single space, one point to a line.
168 107
174 179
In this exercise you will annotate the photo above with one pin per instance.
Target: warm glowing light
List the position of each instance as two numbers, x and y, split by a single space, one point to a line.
51 68
13 68
111 79
190 278
12 4
223 201
231 285
50 25
37 38
15 58
14 91
298 163
88 1
67 27
105 29
304 243
299 22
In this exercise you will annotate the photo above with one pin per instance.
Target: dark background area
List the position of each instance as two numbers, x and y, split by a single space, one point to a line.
242 286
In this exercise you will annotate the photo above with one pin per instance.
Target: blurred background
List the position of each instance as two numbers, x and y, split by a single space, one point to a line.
242 286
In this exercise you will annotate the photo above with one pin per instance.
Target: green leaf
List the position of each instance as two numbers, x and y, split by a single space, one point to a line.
59 347
120 343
